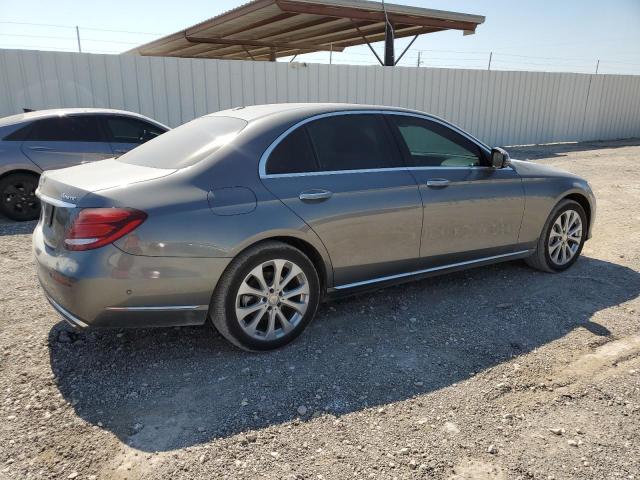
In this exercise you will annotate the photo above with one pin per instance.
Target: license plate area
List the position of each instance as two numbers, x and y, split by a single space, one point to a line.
47 214
54 223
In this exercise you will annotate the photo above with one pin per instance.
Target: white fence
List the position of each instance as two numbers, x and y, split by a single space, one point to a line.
501 108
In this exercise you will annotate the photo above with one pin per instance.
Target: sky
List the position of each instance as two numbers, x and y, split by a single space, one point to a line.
540 35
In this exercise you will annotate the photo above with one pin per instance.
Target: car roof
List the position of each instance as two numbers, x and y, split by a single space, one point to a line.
254 112
294 112
56 112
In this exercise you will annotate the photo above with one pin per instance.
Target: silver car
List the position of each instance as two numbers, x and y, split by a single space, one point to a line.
249 217
48 139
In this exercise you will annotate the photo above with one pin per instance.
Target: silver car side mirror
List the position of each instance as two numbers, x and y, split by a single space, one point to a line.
500 158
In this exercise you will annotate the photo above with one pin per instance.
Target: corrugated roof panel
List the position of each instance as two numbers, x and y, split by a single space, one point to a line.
265 29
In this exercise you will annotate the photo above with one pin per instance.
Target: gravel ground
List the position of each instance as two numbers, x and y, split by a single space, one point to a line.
495 373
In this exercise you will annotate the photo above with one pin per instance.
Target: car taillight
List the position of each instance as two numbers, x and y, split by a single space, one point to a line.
96 227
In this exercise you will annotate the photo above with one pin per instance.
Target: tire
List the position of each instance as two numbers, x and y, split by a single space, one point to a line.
550 251
17 196
245 319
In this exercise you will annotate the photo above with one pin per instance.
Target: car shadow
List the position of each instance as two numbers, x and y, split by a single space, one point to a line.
554 150
163 389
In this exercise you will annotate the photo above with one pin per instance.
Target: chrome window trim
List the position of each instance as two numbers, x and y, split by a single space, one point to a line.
262 165
427 270
53 201
375 170
470 167
335 172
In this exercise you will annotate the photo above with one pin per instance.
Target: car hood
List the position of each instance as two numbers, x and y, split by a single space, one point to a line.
528 169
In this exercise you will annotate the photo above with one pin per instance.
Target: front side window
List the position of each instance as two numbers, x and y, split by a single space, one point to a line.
352 142
431 144
68 128
130 130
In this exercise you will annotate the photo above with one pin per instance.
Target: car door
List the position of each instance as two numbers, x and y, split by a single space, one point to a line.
343 175
471 210
125 133
64 141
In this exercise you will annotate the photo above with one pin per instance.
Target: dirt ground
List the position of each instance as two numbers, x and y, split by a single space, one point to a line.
495 373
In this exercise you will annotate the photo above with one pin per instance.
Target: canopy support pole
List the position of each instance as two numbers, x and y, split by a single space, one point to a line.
407 48
248 52
366 41
389 54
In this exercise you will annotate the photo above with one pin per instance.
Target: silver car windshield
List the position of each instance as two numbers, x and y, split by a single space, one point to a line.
186 145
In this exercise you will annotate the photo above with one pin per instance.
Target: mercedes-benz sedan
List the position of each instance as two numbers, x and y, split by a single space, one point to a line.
249 217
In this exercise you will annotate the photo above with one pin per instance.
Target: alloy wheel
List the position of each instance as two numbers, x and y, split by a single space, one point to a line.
272 299
565 237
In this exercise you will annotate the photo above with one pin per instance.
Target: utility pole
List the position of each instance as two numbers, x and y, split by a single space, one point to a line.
419 52
597 66
78 37
490 56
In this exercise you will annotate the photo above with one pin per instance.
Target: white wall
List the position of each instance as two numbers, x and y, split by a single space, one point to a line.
501 108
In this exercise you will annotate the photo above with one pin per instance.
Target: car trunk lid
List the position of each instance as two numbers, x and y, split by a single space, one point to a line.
62 191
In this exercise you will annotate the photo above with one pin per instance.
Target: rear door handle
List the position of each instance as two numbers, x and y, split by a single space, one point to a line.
312 195
438 183
40 148
120 151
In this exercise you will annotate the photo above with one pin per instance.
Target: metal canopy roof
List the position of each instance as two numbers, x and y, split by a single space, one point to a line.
267 29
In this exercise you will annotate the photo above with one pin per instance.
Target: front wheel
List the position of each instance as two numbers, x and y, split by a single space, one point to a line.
266 297
562 238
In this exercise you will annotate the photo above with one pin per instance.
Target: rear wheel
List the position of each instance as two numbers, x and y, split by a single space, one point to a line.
18 199
562 238
266 297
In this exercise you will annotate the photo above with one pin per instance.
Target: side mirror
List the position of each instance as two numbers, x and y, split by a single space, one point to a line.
499 158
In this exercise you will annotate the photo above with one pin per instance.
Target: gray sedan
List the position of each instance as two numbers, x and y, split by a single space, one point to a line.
249 217
48 139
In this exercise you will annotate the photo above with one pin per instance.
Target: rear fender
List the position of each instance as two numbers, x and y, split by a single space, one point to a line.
13 160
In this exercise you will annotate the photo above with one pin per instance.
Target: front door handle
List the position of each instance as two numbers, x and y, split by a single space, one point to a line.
438 183
120 151
311 195
40 148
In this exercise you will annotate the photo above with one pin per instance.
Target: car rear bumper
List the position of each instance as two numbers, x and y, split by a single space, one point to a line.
66 316
109 288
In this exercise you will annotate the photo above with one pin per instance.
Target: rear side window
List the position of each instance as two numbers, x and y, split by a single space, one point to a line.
130 130
431 144
293 154
186 145
19 135
352 142
70 128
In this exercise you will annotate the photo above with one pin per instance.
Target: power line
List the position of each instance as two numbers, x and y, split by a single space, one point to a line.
58 49
83 28
84 39
38 24
496 53
576 60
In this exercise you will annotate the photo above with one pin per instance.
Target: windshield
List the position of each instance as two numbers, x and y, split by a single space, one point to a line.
186 145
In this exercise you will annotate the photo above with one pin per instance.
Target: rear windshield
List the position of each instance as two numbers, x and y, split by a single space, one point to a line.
186 145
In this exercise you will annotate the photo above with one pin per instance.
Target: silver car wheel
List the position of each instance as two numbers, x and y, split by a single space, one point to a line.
565 237
272 299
